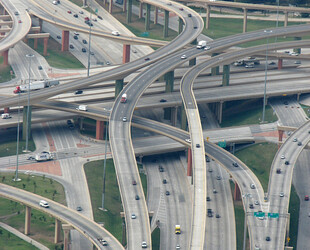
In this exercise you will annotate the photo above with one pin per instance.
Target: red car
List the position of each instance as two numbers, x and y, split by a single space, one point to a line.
69 11
306 197
86 18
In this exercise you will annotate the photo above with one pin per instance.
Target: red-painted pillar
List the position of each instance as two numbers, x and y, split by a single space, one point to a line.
99 130
6 110
45 46
237 193
280 62
40 24
5 55
126 53
65 40
125 5
189 162
280 132
26 40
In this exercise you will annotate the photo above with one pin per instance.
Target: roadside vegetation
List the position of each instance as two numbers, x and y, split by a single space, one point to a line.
259 158
6 72
156 239
13 213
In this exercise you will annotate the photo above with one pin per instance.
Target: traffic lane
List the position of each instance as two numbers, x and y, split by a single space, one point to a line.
90 229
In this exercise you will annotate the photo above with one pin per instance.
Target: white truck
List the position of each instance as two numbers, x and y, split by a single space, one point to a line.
35 86
82 107
43 156
124 98
201 44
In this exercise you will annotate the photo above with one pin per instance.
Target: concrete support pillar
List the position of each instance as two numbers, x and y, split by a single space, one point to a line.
183 119
125 5
27 220
237 193
65 40
174 116
280 63
66 228
156 15
285 18
129 11
45 42
215 70
147 17
189 162
40 24
287 228
207 16
245 21
166 23
280 133
220 112
25 40
25 122
81 119
110 6
297 50
226 75
105 2
5 55
99 130
298 96
6 110
119 84
35 43
57 231
181 23
169 78
141 10
126 52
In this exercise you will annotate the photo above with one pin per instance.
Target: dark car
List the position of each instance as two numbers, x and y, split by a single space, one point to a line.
278 170
84 41
167 193
217 216
251 206
299 144
75 37
287 162
76 15
58 37
137 197
99 17
71 46
197 145
235 164
69 122
40 67
79 209
208 198
146 59
162 100
189 15
161 169
267 238
134 182
78 92
164 181
71 126
207 159
83 50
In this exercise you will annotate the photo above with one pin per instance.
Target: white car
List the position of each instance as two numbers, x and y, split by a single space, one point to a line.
282 157
115 33
281 194
43 203
183 57
207 48
124 119
133 216
188 140
294 54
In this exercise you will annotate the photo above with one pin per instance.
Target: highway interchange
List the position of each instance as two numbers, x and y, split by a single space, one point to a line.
119 111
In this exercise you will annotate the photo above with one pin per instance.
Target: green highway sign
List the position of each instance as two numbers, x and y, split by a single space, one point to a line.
273 215
259 214
222 144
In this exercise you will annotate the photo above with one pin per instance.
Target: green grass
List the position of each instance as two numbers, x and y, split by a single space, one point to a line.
13 214
5 72
246 112
259 158
156 239
9 241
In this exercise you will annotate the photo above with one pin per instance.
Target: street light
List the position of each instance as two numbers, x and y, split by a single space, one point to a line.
17 143
245 219
266 65
105 163
30 56
89 41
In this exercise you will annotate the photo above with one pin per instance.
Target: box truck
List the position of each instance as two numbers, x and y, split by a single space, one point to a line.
201 44
124 98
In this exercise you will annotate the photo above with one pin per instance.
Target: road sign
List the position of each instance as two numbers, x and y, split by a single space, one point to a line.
208 138
145 34
288 239
96 10
222 144
273 215
259 214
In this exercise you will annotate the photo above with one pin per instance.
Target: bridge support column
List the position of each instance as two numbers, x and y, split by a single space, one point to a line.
105 2
110 6
298 96
126 53
99 130
166 23
285 18
147 17
66 228
169 77
174 116
35 43
57 231
183 119
25 122
141 10
245 21
192 62
5 55
280 63
280 133
215 70
207 25
237 193
287 228
124 5
81 119
129 10
226 75
156 15
27 220
6 110
219 111
119 84
189 162
181 23
45 39
40 25
297 50
65 40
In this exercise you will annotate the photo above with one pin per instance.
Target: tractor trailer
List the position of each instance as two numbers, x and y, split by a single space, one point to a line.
35 86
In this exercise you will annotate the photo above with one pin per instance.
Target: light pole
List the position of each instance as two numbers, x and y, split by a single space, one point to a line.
245 219
104 164
17 143
89 41
265 84
30 56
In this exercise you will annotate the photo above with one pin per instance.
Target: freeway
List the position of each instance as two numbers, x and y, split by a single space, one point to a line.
88 228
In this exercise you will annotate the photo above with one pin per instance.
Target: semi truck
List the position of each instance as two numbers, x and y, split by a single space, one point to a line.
201 44
35 86
124 98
